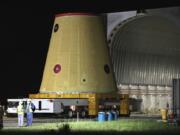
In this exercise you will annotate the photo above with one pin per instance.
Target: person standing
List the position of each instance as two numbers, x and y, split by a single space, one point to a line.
20 112
1 116
29 112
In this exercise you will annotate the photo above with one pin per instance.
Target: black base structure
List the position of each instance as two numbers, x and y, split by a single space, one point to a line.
176 98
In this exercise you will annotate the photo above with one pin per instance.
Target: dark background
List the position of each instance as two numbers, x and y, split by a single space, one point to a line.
25 30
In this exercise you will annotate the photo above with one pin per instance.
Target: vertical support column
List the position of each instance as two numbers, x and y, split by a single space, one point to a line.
93 105
124 104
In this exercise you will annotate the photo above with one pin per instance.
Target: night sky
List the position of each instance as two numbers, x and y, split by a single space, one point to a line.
25 31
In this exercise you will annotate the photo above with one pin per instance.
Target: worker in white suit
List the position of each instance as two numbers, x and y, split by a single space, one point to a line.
20 112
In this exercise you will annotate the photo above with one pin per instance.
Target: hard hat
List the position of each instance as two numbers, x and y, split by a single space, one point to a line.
29 100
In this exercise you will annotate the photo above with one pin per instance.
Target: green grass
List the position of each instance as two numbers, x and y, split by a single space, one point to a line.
120 125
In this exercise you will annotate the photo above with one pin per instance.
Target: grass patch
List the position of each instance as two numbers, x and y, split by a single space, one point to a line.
120 125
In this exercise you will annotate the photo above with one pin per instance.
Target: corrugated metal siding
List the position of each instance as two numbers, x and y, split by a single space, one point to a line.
146 56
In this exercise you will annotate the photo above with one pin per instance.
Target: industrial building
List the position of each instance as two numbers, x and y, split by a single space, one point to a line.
145 50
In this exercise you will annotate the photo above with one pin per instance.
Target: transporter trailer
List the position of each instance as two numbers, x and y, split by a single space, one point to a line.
69 105
85 104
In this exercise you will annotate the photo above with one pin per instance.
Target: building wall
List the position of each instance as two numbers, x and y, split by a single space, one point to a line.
145 55
147 98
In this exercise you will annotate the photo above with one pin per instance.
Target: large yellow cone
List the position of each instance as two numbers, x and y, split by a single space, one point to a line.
78 58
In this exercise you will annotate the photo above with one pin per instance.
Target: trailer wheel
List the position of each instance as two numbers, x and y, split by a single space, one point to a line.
70 113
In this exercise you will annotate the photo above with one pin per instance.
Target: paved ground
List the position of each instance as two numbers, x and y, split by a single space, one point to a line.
12 121
144 116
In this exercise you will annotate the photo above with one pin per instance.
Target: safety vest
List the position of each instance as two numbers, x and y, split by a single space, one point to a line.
20 109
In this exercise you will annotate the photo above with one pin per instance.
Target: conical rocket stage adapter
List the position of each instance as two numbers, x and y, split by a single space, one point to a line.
78 60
